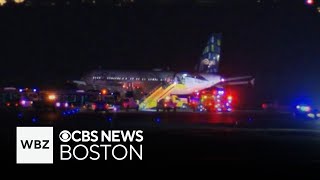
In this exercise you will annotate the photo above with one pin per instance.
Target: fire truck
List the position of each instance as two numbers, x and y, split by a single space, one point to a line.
211 100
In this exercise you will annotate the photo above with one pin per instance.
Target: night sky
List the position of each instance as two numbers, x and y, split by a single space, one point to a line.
278 44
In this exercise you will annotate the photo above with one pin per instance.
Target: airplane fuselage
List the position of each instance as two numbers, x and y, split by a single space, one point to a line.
116 80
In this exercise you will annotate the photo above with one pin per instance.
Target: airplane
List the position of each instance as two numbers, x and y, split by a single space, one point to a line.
206 76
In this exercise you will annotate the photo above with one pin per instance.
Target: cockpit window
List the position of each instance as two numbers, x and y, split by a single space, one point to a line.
200 77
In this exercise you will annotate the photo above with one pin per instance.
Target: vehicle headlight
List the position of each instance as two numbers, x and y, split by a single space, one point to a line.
310 115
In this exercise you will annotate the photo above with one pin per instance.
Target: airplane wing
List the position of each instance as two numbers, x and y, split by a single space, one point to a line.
239 80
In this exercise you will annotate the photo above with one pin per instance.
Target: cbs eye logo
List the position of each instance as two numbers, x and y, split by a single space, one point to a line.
65 136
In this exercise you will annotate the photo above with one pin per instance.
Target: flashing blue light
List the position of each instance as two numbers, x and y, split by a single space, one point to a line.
109 119
34 120
158 120
20 90
34 90
64 113
20 115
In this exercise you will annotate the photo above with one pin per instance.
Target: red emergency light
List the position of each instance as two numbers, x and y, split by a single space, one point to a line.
310 2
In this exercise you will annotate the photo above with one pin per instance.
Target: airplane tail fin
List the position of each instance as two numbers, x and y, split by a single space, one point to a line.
210 58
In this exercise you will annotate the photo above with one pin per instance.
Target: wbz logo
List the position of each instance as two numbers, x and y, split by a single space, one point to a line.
37 144
34 145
